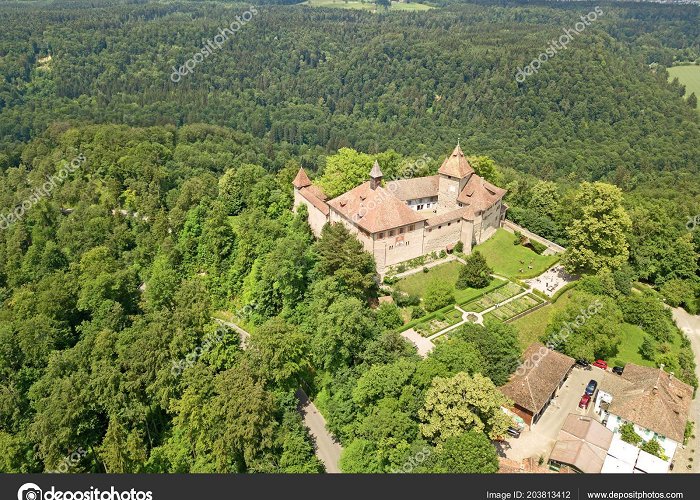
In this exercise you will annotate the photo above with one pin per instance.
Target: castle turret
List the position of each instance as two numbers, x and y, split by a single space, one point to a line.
375 176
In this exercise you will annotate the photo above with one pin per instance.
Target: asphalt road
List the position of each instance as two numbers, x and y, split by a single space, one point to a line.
691 326
327 449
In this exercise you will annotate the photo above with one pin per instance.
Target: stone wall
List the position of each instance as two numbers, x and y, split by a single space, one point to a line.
437 238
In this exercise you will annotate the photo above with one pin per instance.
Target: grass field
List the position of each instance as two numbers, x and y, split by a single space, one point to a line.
447 273
505 258
352 4
688 76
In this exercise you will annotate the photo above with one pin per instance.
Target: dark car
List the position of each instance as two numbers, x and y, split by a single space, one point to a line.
618 369
514 432
583 363
591 387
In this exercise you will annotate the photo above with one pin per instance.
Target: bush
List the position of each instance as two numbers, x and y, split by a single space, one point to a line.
402 299
538 247
629 435
438 294
475 273
459 247
417 312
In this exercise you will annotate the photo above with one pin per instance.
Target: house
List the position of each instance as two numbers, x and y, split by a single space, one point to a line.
654 401
537 381
582 445
403 219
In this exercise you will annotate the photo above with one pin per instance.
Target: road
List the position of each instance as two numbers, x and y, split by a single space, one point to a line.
243 334
691 326
327 449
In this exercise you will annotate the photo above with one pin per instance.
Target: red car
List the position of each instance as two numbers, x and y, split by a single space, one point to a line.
601 364
585 401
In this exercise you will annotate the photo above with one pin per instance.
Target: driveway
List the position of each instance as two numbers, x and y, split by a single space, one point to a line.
327 449
540 439
691 326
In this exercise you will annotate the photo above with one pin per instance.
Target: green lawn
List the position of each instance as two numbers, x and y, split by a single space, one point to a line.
688 76
628 352
447 273
532 326
505 258
341 4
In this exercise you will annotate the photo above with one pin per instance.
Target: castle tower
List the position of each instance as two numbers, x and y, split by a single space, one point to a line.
375 176
454 174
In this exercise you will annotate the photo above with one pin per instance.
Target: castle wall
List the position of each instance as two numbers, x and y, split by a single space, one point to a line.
317 219
437 238
399 247
467 236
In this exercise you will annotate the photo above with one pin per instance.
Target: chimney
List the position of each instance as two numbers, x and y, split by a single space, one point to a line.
375 176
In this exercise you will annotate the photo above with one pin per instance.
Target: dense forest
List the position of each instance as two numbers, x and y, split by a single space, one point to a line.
177 206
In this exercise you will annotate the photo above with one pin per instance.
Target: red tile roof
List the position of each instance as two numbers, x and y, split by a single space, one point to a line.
374 210
456 165
316 197
539 376
480 194
301 180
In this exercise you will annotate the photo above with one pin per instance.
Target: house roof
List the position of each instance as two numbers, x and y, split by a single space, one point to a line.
316 197
539 376
374 210
448 216
527 466
650 398
456 165
413 189
480 194
301 180
583 442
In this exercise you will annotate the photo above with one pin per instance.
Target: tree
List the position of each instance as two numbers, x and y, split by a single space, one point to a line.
360 457
467 453
692 101
236 185
589 328
281 353
475 273
438 294
486 168
597 232
341 255
498 345
629 435
345 170
654 447
462 403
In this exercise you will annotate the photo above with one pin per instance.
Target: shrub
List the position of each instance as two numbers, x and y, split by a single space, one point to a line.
629 435
438 294
538 247
459 247
475 273
417 312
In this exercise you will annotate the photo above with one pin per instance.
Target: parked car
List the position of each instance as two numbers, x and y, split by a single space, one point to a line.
601 364
585 401
618 369
514 432
583 364
591 387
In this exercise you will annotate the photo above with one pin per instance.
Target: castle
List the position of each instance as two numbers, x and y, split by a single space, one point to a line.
410 217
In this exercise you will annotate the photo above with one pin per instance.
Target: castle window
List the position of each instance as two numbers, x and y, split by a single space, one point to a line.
449 224
439 227
402 230
391 247
392 232
411 227
380 236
